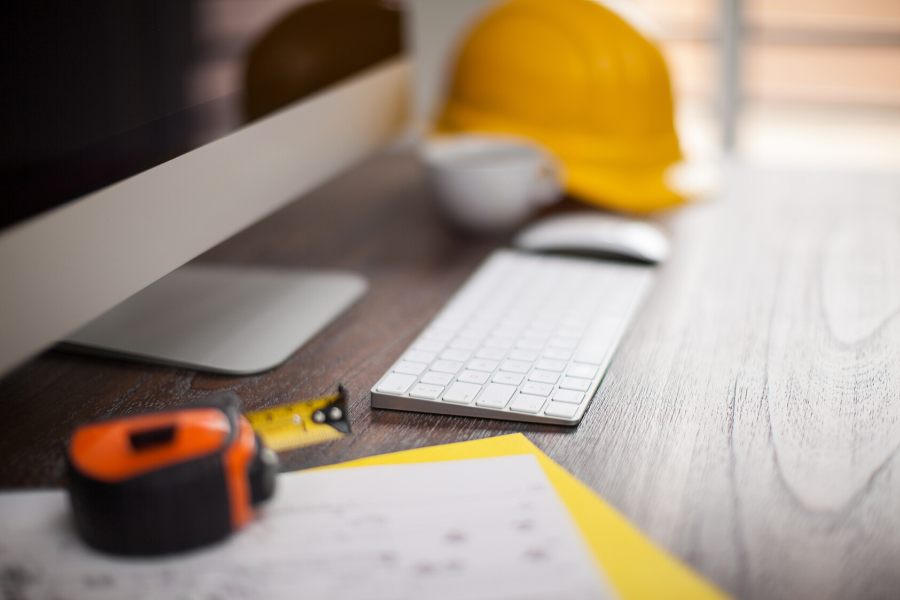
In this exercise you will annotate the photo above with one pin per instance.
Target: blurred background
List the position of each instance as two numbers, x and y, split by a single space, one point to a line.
101 89
817 82
786 82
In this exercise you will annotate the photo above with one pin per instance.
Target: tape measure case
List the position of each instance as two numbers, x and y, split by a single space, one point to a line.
168 481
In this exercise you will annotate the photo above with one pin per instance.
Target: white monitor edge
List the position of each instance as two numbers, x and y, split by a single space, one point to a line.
63 269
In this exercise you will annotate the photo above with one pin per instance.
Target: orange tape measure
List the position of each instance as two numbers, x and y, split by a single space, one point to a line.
168 481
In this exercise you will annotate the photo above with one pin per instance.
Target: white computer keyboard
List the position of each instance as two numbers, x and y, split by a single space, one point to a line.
527 338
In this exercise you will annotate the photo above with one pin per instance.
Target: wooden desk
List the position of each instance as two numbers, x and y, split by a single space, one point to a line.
749 423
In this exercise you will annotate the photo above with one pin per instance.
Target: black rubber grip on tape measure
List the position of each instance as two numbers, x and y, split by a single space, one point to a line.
152 514
171 509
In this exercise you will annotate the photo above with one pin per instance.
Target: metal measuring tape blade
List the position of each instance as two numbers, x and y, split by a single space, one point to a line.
304 423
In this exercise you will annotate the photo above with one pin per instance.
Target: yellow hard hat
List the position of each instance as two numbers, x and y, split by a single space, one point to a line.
575 77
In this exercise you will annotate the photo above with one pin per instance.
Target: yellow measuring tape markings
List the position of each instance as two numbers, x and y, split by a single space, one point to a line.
304 423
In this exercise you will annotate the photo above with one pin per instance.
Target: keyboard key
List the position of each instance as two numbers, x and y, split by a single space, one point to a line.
578 370
592 354
491 353
596 344
480 364
433 378
473 333
409 367
496 395
395 383
446 366
561 342
516 322
537 389
516 366
478 377
516 318
428 345
508 378
543 376
575 322
600 338
567 332
558 353
526 403
506 332
541 325
454 354
533 334
498 342
451 322
530 344
440 335
604 326
561 409
575 383
426 391
569 396
464 344
519 354
461 393
420 356
549 364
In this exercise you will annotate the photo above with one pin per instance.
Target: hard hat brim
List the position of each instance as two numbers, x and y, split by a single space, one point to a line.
628 189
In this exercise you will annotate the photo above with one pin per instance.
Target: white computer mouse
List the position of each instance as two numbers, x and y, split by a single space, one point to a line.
595 234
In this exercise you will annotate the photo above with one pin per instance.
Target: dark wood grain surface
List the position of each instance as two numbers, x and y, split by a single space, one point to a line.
749 423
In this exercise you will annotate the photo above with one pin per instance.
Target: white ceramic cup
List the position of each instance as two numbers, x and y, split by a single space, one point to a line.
489 184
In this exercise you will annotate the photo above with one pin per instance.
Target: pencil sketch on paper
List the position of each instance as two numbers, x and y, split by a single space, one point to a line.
484 528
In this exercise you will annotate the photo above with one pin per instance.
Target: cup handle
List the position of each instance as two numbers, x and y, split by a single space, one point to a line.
547 189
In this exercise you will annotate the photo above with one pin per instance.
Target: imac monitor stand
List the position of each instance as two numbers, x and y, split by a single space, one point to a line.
224 319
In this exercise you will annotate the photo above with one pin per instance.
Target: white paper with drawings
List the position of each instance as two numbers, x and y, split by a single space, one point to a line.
484 528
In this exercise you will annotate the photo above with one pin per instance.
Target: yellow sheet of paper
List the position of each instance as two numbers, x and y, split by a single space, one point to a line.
636 567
